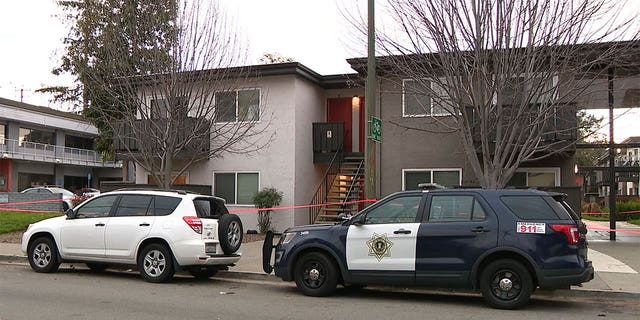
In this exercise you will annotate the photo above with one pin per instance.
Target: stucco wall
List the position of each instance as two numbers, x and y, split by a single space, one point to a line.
309 108
411 149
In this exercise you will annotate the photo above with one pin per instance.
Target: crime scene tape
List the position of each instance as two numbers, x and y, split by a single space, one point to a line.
591 226
6 206
603 213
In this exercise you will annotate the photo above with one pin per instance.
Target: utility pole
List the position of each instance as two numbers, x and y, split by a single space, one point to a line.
370 103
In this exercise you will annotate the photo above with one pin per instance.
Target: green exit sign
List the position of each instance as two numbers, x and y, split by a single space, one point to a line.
375 129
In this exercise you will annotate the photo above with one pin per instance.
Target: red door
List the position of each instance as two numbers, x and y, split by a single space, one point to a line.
341 110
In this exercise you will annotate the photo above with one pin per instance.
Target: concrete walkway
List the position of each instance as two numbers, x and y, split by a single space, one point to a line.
616 263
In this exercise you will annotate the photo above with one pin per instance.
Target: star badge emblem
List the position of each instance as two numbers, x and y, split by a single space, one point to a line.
379 246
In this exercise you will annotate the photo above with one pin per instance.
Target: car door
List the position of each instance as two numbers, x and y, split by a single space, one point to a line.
83 236
381 243
457 229
129 224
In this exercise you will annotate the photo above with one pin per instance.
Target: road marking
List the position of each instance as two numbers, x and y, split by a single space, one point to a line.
605 263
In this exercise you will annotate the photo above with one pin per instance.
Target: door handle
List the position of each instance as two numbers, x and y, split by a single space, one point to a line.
99 224
402 231
144 224
479 230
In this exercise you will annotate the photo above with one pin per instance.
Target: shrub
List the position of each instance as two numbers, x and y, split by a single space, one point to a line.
267 198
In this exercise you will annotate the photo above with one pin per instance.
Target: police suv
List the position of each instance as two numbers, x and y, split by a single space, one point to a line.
505 243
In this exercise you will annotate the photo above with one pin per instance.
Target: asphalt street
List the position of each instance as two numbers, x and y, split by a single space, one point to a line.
76 293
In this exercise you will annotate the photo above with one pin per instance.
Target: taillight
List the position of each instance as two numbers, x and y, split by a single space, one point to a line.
195 223
570 232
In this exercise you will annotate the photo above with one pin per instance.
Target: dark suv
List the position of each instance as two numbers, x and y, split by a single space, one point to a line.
504 242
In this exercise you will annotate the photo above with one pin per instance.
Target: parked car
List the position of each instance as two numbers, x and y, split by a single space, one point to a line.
160 232
67 196
506 243
88 192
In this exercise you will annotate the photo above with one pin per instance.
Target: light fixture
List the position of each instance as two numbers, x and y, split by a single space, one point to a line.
355 102
58 160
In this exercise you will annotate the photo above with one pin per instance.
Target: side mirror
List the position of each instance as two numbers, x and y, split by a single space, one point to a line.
358 220
70 214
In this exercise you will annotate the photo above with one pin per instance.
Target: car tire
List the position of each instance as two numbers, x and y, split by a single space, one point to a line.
506 284
316 274
65 206
155 263
96 267
43 255
230 233
202 273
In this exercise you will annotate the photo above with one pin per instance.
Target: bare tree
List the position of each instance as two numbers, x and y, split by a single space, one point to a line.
507 73
194 102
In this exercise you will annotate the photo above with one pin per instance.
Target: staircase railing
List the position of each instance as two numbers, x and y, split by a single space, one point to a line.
320 196
356 177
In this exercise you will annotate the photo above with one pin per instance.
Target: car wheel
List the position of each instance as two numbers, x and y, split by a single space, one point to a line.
155 263
316 274
202 272
230 233
506 284
96 267
43 255
65 206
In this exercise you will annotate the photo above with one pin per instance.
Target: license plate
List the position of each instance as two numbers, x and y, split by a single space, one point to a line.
530 227
210 248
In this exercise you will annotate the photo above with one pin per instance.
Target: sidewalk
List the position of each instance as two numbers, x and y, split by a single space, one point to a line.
616 263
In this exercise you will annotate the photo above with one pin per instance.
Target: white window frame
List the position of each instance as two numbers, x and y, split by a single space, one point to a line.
555 170
215 97
235 201
430 114
431 175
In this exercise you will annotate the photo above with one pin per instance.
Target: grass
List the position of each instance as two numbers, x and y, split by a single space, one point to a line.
17 221
634 221
603 217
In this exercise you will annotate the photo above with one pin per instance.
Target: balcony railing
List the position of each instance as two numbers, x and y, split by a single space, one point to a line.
33 151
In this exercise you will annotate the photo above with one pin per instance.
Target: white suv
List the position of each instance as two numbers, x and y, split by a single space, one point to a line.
159 231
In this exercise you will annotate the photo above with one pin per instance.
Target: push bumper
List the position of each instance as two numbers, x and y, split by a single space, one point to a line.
553 279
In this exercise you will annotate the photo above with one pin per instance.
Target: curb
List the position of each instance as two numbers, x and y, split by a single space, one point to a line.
543 294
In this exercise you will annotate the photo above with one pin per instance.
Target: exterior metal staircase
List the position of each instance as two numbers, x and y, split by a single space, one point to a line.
343 187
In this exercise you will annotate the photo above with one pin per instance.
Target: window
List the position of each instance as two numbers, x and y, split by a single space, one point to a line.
177 180
396 210
209 208
165 205
133 205
535 177
236 106
417 100
455 208
78 142
411 178
536 90
2 133
96 208
530 207
35 136
159 108
236 187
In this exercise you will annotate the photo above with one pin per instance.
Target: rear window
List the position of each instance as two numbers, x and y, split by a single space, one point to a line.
209 208
165 205
530 207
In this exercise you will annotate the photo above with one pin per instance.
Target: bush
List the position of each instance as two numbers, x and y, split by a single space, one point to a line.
621 206
267 198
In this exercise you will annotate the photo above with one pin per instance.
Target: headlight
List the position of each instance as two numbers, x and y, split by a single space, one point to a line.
287 237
